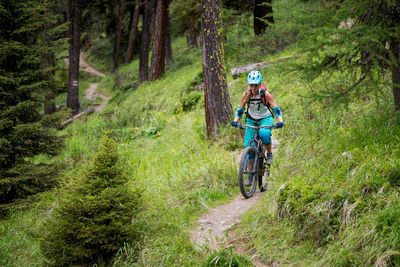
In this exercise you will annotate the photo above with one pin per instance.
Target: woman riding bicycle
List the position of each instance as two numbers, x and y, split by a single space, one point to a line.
259 102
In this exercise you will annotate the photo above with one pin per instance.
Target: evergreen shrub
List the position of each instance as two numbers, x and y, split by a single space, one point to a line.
96 214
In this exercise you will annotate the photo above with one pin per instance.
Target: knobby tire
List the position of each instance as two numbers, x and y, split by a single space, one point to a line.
261 184
248 191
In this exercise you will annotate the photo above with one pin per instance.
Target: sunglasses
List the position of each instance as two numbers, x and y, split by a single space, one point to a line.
254 85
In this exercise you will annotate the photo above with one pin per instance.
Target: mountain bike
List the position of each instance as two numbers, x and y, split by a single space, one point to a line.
252 164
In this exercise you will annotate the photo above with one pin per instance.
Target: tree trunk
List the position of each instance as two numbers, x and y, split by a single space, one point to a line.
218 108
49 62
74 18
133 33
117 41
395 65
168 47
262 11
145 41
158 53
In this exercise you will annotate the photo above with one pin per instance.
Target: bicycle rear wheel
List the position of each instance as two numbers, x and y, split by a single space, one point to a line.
248 173
263 175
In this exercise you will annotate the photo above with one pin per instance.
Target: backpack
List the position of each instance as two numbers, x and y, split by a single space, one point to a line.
264 99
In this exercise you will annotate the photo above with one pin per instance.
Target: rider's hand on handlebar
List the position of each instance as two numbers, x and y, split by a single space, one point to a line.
234 123
280 124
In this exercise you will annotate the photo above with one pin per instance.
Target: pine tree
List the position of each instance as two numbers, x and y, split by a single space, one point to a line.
133 32
145 40
117 40
186 14
262 12
74 12
95 215
24 80
218 107
157 67
357 41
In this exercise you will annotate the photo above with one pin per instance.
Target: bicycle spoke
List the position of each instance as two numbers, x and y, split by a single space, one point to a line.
248 172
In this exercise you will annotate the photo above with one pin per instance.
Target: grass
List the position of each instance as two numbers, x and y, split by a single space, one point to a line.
333 198
335 171
163 152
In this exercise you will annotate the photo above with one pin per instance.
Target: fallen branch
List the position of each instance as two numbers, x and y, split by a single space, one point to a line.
77 116
247 68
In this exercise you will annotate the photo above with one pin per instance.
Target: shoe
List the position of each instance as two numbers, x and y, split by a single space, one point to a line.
248 182
269 158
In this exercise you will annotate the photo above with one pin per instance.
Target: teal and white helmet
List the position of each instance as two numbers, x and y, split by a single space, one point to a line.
254 77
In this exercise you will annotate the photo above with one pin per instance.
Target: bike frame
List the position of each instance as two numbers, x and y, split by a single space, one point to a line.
257 140
257 170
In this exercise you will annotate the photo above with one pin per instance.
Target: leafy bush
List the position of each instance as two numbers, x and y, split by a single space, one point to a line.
198 80
191 95
95 215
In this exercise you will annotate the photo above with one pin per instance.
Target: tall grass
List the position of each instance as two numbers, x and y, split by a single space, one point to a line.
164 151
337 168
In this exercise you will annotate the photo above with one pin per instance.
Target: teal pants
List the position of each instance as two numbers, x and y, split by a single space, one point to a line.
265 133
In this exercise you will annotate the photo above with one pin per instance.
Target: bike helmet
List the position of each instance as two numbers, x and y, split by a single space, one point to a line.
254 77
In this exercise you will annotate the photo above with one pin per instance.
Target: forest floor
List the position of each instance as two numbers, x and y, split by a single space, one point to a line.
214 229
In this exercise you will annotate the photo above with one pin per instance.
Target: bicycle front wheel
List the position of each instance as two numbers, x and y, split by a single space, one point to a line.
248 172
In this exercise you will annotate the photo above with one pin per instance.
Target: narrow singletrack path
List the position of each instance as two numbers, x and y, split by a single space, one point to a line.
91 92
210 230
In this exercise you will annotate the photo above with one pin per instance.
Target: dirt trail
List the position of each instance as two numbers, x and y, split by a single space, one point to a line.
91 92
211 228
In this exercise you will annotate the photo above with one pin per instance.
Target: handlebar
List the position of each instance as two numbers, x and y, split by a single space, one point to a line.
242 126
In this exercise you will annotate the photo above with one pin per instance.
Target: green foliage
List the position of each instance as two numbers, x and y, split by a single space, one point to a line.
195 83
388 224
336 169
100 53
24 131
95 215
187 16
225 258
349 47
188 101
332 200
27 179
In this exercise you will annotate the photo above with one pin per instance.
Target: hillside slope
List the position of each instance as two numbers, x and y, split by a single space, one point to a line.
333 199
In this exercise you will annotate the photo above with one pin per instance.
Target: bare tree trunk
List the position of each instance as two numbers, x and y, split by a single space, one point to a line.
395 65
49 61
145 41
157 68
74 19
133 33
218 108
114 65
262 11
168 47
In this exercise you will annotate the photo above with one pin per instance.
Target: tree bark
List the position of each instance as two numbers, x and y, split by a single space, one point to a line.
262 11
157 68
168 48
133 33
117 41
49 61
395 65
218 108
74 19
145 41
